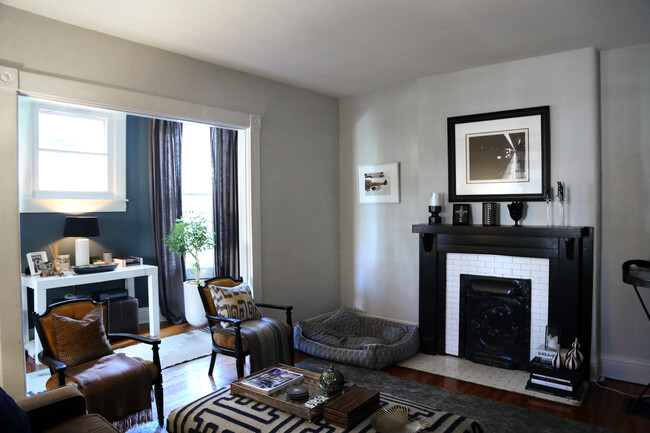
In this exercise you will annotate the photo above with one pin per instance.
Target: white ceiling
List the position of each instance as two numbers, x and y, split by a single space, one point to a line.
349 47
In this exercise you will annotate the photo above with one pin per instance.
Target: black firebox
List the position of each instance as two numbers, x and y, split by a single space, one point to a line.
495 321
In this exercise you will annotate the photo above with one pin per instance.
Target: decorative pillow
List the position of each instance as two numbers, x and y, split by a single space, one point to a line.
79 341
234 303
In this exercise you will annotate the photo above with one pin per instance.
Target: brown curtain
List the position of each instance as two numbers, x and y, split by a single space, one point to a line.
166 206
225 202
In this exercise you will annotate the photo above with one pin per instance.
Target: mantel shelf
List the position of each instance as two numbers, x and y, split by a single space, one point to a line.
511 231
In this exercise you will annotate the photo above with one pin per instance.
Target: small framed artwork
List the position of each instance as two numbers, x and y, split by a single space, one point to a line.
462 213
499 156
379 183
553 337
35 262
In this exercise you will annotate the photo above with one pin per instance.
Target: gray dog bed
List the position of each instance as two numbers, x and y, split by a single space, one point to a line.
352 338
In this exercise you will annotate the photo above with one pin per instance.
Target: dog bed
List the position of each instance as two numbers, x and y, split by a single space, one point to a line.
352 338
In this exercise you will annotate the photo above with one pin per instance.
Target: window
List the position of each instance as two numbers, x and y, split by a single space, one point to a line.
196 186
196 189
71 158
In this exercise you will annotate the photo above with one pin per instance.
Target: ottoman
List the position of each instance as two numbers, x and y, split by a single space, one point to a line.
222 411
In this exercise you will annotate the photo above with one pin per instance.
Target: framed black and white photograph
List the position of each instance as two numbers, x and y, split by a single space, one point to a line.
379 183
35 261
499 156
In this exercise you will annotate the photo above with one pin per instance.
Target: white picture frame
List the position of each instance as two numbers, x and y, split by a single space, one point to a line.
378 183
35 261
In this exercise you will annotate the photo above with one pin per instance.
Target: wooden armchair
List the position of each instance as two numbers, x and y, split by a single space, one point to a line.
234 343
57 329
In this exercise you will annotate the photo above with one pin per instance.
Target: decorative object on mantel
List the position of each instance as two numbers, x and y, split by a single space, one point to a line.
461 214
490 216
435 206
560 198
548 198
81 227
378 183
516 209
499 156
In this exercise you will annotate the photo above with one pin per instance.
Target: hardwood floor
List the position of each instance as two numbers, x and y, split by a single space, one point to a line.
189 381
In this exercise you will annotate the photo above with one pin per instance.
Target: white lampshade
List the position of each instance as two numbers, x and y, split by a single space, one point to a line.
436 199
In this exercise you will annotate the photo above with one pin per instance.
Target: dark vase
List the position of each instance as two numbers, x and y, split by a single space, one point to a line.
516 209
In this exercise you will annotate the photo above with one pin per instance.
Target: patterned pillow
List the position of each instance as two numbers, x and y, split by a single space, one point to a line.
234 303
79 341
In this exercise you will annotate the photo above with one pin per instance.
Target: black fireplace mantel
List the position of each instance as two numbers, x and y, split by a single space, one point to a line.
570 254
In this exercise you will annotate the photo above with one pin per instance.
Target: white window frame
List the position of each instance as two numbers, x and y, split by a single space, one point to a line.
32 199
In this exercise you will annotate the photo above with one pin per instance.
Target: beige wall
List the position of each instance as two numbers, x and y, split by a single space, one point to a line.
298 155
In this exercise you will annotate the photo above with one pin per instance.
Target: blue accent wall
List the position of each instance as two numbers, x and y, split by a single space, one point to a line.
122 233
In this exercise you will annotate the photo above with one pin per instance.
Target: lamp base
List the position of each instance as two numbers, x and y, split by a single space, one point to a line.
81 252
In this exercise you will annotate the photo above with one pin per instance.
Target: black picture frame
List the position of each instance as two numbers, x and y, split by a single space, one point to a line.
499 156
462 214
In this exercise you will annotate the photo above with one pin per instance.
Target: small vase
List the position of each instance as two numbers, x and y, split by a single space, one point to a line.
572 362
331 381
557 360
576 350
516 210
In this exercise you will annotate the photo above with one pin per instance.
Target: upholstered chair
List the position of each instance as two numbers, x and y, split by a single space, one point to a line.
77 351
229 307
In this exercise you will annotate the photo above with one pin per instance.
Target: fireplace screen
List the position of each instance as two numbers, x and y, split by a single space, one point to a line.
495 321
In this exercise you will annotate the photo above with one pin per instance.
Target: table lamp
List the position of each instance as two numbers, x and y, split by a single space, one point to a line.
81 227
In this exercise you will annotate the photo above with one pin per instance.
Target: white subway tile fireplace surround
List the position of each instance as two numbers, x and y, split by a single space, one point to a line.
535 269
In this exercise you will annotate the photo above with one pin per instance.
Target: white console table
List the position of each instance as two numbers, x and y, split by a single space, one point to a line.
42 284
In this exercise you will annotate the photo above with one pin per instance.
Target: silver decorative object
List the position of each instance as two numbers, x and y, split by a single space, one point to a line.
395 419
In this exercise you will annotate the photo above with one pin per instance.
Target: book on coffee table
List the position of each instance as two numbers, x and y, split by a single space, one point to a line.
273 380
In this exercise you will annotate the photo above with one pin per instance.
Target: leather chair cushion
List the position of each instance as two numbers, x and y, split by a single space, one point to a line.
53 381
78 341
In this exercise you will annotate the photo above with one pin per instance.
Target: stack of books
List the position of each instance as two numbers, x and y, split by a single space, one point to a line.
556 381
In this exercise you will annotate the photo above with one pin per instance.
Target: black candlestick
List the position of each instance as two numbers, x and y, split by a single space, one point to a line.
435 215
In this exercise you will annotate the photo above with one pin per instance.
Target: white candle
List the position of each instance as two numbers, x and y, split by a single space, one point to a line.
436 199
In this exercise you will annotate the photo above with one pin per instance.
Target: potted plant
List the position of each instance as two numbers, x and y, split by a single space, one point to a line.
190 235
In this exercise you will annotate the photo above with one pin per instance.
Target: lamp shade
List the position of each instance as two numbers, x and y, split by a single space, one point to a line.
81 226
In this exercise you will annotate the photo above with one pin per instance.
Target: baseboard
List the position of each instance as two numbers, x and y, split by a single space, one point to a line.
623 368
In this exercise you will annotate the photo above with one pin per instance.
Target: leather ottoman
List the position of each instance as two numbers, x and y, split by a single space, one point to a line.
123 315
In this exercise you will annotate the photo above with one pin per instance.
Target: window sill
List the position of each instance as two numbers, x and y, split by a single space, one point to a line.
31 205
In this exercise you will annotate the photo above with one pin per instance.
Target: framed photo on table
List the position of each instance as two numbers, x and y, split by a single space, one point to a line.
378 183
35 261
499 156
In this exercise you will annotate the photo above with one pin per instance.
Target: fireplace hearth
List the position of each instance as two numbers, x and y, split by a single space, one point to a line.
495 321
569 251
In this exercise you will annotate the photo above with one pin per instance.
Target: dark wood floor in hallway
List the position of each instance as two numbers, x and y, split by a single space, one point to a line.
189 381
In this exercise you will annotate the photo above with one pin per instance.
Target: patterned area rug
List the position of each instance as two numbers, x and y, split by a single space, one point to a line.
173 350
493 416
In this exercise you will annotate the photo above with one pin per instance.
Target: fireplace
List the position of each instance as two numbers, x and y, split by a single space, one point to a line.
565 253
495 321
